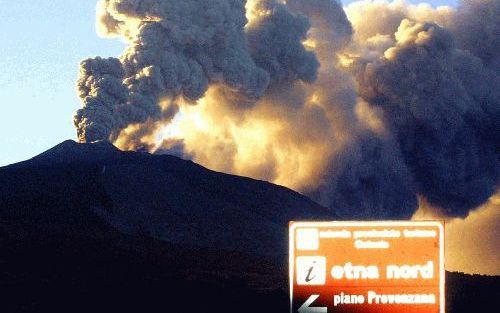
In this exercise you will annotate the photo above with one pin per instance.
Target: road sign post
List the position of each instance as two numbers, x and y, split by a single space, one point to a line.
361 267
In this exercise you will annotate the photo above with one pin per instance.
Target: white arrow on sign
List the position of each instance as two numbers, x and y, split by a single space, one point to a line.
306 308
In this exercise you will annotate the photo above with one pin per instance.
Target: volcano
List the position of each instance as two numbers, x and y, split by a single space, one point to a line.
90 228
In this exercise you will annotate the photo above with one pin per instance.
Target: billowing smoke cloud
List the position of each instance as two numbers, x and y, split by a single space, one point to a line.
331 29
179 47
476 28
427 89
372 18
275 37
363 108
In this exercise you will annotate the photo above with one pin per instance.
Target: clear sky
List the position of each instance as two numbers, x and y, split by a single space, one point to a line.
41 45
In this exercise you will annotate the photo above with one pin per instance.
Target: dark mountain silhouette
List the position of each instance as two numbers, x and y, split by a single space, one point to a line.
89 228
161 196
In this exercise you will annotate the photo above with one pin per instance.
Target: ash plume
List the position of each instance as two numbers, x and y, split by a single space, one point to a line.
428 89
331 29
275 38
476 28
176 49
365 108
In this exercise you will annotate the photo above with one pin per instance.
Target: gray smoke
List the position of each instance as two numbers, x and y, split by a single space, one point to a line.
369 179
397 101
442 122
331 28
181 47
100 89
276 44
477 29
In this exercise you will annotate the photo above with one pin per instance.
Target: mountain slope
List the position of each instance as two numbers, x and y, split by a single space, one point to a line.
163 196
89 228
86 227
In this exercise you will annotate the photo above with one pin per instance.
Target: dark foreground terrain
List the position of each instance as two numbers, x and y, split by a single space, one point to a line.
87 228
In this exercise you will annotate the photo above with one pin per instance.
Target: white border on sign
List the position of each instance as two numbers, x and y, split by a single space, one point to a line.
291 247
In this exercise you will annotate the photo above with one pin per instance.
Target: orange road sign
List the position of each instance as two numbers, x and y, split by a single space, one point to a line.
361 267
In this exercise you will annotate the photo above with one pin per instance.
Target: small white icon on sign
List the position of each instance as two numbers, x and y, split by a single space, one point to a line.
307 239
307 308
311 270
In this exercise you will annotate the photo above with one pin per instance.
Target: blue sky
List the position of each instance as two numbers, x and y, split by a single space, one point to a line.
41 45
